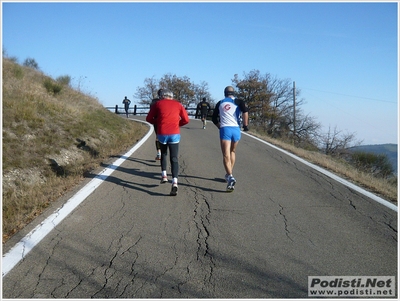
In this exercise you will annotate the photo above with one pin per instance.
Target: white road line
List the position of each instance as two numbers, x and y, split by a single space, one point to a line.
25 245
331 175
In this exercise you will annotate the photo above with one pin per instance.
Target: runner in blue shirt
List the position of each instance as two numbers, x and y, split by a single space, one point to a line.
226 118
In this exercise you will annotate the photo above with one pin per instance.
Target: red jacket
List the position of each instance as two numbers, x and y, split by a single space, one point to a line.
168 115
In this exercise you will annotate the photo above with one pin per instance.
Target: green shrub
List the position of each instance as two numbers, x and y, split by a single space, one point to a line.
376 164
52 86
64 80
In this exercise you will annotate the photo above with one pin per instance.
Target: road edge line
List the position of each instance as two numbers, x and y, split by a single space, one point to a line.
26 244
331 175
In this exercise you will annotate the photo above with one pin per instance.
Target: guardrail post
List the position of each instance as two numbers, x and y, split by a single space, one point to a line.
116 109
134 110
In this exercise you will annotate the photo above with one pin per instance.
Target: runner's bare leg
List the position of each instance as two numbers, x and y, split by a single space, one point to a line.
229 155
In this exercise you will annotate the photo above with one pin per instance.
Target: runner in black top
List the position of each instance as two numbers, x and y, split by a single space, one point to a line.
203 108
159 96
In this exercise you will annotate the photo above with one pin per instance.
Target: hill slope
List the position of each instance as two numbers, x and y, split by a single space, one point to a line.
52 136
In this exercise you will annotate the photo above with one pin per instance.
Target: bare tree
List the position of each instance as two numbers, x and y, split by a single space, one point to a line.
184 90
201 91
307 131
254 90
335 142
31 63
148 92
270 100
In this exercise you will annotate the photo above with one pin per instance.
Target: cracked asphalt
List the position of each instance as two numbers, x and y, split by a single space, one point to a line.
283 223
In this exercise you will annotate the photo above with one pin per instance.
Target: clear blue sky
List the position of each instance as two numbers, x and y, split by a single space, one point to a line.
342 56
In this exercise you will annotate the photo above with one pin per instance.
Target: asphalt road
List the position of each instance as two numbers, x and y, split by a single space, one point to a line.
284 222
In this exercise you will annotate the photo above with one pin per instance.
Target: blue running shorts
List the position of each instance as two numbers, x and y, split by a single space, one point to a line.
231 133
164 139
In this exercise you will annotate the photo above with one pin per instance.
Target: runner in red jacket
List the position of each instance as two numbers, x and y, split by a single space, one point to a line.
169 115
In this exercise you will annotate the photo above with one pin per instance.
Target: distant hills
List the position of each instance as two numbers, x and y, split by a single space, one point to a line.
388 149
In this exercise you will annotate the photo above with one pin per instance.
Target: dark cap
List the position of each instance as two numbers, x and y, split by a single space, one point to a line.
229 90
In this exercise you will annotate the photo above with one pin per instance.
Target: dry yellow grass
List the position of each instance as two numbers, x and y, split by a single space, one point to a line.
43 156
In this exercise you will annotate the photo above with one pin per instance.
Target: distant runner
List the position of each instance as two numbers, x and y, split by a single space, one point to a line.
202 109
126 102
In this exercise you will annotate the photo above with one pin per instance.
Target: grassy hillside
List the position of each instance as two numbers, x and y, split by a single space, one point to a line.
52 136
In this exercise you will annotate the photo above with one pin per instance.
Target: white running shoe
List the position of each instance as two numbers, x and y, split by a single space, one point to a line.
231 184
164 179
174 189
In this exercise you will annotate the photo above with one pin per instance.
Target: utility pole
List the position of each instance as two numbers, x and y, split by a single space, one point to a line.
294 110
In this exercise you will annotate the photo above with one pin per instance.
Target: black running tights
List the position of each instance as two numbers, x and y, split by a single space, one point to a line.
173 157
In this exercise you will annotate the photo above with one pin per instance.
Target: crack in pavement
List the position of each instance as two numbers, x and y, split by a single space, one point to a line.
111 269
201 218
285 221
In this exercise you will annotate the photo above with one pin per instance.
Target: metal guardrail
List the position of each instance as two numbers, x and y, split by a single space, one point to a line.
145 110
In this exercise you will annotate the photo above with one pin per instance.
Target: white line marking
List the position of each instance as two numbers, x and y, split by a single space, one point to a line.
331 175
25 245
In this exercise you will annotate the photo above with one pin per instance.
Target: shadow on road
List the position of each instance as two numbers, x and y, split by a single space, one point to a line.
155 176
